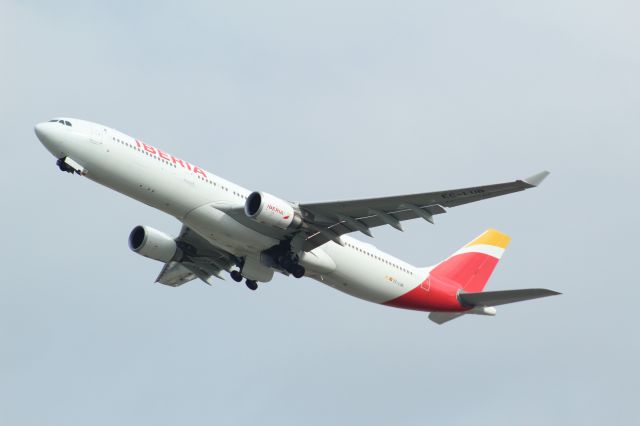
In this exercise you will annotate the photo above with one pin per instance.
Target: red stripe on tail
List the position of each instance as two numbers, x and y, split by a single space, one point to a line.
470 271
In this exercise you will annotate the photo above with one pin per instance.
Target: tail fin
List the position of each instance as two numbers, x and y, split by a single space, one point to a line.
470 267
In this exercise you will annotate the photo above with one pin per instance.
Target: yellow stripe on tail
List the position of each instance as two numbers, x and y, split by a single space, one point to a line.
492 237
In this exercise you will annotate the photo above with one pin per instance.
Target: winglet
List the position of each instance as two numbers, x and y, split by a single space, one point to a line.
536 179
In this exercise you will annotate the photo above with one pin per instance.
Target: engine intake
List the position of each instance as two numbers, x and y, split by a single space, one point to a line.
151 243
270 210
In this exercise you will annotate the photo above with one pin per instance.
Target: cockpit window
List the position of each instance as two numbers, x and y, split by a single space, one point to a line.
64 122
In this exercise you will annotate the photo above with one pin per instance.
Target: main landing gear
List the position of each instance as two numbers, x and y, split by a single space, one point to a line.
251 284
297 270
279 257
283 258
237 277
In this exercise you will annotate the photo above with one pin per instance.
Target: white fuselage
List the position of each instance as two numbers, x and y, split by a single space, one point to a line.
198 198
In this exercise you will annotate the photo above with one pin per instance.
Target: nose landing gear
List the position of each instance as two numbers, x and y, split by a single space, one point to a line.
64 167
68 165
251 284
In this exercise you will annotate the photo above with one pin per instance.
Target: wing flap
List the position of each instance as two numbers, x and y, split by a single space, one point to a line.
175 274
199 259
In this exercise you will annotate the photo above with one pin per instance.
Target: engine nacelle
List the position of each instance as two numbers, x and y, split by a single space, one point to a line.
151 243
270 210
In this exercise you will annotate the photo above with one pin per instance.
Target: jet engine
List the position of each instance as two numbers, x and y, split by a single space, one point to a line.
151 243
270 210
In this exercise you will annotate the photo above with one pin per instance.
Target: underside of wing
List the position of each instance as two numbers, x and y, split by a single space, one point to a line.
174 274
197 259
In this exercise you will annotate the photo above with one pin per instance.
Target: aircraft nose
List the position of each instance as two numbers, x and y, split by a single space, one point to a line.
40 130
43 132
46 133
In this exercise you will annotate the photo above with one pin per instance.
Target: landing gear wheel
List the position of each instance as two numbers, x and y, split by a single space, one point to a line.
236 276
298 271
252 284
63 166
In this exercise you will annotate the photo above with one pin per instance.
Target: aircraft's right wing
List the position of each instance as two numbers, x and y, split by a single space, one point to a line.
199 260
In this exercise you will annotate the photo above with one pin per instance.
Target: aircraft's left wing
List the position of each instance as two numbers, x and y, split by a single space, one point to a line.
327 221
199 260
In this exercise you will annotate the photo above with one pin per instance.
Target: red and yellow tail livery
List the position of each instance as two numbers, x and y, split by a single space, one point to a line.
451 287
470 267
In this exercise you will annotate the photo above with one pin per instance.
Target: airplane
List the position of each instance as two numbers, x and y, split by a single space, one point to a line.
252 234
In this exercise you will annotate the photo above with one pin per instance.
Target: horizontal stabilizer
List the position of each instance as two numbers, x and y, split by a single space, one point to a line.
494 298
442 317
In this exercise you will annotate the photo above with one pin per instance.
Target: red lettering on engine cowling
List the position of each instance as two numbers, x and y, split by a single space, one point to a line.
275 209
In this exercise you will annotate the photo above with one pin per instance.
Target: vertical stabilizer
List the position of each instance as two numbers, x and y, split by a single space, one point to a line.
470 267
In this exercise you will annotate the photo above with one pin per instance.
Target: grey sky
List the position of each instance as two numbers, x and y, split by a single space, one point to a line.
321 101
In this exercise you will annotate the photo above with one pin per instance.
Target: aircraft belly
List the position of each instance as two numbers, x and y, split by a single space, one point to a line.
317 261
225 232
361 276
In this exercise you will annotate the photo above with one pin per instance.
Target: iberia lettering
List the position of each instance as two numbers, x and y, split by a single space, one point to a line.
275 209
184 164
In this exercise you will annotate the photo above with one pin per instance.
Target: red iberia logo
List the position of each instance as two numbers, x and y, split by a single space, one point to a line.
170 158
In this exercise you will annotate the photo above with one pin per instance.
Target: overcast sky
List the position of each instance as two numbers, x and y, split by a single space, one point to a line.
319 101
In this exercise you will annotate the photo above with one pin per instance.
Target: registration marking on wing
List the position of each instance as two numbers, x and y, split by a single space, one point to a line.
473 191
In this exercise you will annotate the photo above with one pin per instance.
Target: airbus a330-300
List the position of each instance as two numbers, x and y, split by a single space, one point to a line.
252 234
